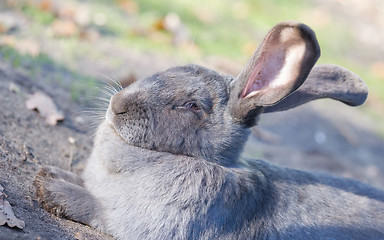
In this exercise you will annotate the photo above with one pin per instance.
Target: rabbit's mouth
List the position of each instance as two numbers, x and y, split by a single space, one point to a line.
109 116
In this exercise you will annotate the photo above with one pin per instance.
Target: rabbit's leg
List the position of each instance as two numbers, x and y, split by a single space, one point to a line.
58 192
58 173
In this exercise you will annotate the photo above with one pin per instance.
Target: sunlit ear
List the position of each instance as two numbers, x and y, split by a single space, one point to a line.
278 67
326 81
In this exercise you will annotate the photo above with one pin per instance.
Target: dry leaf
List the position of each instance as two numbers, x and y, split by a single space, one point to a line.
22 46
46 5
6 213
172 24
64 28
129 6
45 106
89 34
3 28
7 40
28 47
67 12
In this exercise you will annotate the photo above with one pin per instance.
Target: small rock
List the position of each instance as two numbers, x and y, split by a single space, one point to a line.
79 236
71 140
13 88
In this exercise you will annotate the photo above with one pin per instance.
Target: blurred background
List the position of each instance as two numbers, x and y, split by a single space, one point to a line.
74 44
102 37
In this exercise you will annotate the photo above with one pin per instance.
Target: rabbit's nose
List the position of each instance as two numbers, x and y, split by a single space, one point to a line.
120 102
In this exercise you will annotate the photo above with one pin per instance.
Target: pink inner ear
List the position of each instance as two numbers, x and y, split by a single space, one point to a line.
265 71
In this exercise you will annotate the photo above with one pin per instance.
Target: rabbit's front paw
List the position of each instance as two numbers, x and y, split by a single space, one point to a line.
61 193
48 184
52 185
58 173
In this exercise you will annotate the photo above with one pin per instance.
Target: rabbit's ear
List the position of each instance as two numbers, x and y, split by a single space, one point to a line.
278 67
326 81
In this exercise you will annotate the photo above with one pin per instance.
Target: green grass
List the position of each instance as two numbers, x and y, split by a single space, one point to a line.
217 27
44 70
37 14
226 33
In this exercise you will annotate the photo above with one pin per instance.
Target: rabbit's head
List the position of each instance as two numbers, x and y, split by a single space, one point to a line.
194 111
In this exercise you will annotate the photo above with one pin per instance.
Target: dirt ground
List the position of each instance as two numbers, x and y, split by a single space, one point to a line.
321 136
26 142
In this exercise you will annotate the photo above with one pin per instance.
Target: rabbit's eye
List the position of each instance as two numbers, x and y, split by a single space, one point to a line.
191 105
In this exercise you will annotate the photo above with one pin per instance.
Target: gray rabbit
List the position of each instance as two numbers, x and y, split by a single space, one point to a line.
166 160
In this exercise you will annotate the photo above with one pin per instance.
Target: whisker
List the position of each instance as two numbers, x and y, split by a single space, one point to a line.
104 100
94 114
115 88
105 92
105 87
111 89
120 87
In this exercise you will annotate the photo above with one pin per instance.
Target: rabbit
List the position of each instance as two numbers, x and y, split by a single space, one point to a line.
166 160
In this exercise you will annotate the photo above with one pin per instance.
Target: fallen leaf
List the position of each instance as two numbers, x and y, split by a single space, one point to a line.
22 46
46 5
129 6
67 12
3 28
6 213
89 35
172 24
64 28
45 106
7 40
28 47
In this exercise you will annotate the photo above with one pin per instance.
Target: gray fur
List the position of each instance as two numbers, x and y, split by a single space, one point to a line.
165 169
